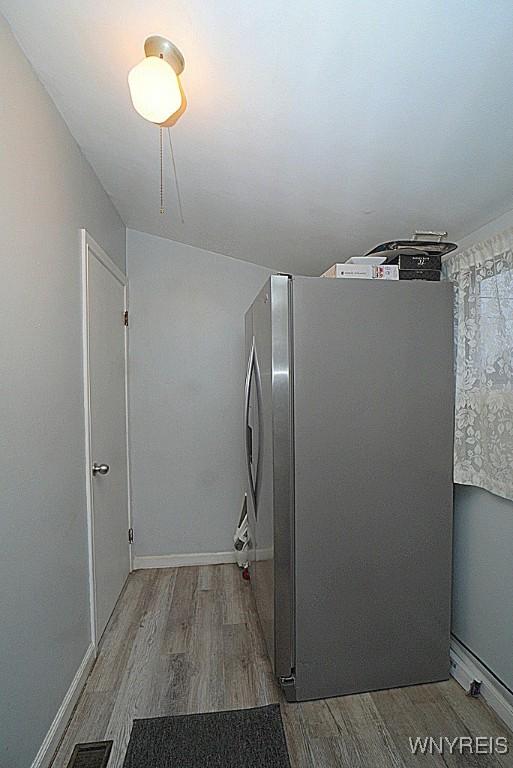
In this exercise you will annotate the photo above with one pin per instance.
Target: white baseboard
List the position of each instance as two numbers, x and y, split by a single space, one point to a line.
177 561
61 719
465 668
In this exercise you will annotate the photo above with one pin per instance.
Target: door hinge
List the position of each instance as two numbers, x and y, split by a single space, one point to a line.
130 535
125 316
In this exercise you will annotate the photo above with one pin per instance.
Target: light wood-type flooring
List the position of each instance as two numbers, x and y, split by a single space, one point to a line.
185 640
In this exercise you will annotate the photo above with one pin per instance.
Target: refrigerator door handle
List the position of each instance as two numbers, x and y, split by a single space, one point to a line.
247 428
258 382
253 368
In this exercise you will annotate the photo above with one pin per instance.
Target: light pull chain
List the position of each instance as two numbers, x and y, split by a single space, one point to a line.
161 172
178 195
161 56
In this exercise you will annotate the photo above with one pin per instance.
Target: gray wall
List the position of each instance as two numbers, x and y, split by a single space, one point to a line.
483 546
47 192
186 393
483 577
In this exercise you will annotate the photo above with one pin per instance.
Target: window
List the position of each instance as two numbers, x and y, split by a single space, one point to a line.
483 447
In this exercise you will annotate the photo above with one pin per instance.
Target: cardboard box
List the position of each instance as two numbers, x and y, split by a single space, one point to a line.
419 274
418 261
364 271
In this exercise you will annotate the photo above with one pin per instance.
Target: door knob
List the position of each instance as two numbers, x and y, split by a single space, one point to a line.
100 469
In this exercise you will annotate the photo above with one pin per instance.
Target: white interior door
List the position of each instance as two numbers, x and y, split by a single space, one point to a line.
105 292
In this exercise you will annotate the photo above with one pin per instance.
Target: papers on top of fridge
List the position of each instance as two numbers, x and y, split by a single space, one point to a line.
372 260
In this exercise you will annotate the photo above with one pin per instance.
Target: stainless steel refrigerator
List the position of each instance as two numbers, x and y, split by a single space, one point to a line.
349 444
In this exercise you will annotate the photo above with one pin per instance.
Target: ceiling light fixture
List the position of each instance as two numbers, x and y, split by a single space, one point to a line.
157 94
154 85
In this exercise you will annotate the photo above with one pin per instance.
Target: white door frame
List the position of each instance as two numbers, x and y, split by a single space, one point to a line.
90 246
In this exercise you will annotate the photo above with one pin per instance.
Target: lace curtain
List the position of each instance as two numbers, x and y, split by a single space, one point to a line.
483 446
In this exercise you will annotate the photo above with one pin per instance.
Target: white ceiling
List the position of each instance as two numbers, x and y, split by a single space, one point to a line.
314 129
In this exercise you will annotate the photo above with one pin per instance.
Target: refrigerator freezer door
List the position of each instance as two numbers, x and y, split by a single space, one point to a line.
259 461
373 421
283 474
269 467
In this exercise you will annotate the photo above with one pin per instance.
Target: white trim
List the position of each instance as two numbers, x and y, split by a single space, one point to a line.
465 668
127 428
103 257
51 741
177 561
87 422
89 245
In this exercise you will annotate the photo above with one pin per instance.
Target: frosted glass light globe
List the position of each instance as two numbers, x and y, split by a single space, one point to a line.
154 89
